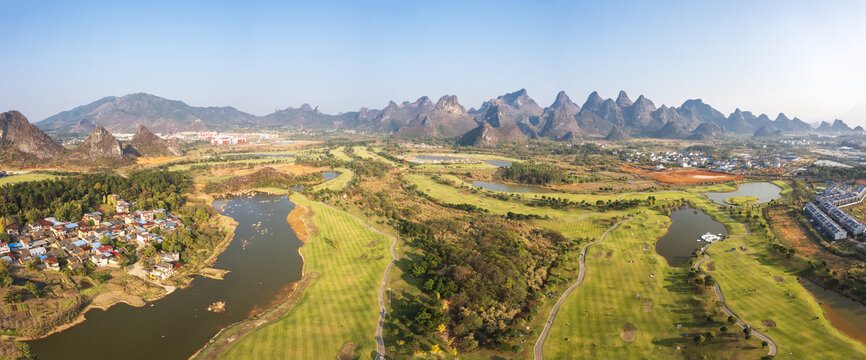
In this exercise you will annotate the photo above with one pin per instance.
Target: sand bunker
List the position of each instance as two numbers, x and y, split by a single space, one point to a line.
348 351
647 305
628 332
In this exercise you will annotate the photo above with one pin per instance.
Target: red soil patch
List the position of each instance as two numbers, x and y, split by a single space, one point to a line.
686 176
598 253
778 279
793 234
645 247
609 253
711 266
768 323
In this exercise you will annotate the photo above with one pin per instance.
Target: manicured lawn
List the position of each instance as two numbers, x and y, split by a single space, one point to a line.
14 179
624 274
337 183
786 188
742 200
340 306
362 151
339 154
182 167
464 195
713 188
748 280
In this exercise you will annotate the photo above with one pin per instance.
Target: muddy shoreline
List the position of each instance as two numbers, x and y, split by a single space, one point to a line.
298 220
119 297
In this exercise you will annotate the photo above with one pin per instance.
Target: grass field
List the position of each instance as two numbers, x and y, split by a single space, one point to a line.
340 305
628 283
786 188
337 183
742 200
362 151
340 154
182 167
14 179
758 288
464 195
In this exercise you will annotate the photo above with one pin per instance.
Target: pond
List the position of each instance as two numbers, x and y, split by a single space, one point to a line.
764 191
499 163
263 260
846 315
511 188
330 175
682 239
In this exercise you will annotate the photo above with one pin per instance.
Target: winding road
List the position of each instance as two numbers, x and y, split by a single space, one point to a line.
539 353
380 342
718 290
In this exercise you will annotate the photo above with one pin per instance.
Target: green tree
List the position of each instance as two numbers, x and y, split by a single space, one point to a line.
33 289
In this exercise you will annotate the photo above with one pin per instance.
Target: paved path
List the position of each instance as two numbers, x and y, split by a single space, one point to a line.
718 290
380 342
539 354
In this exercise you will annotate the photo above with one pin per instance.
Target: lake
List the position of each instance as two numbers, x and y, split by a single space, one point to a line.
764 191
263 260
512 188
845 314
680 242
499 163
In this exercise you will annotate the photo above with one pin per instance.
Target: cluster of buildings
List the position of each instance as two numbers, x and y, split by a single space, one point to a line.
697 159
830 219
53 244
421 146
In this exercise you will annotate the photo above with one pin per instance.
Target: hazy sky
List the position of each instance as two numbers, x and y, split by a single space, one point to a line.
804 58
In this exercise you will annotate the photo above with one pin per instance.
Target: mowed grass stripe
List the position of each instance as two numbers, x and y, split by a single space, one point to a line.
748 281
339 306
340 154
463 195
593 316
338 183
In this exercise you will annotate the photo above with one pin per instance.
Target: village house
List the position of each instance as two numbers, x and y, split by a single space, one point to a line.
51 263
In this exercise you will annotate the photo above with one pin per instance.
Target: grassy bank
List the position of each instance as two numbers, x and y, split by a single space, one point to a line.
339 306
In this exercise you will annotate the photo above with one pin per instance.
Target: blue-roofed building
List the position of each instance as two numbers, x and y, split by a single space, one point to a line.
71 225
79 243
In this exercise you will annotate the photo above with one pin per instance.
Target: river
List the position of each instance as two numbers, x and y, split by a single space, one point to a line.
263 260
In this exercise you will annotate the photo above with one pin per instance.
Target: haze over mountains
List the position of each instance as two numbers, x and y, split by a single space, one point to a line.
22 141
493 122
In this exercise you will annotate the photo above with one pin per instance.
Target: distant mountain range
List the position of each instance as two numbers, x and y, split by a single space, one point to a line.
22 141
564 120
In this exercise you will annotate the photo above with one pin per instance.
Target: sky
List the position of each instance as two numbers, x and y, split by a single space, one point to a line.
803 58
